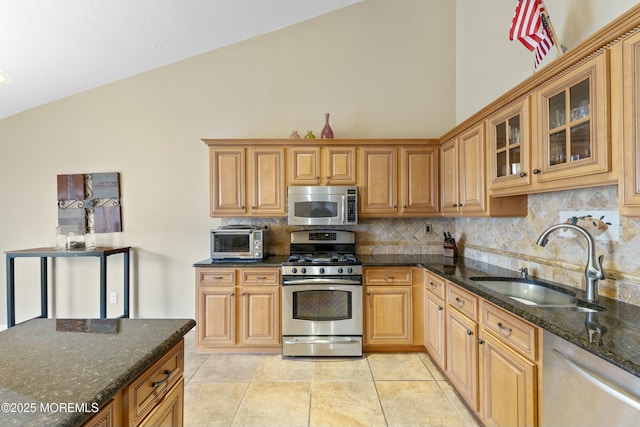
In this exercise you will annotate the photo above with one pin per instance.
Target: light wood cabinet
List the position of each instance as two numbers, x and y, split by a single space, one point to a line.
316 165
508 369
462 173
509 148
629 108
110 415
462 355
434 319
393 308
572 135
378 191
156 396
398 181
238 308
241 189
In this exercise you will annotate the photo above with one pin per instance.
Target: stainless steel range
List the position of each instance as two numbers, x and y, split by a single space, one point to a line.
322 295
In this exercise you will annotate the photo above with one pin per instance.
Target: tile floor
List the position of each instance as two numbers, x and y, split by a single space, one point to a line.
401 389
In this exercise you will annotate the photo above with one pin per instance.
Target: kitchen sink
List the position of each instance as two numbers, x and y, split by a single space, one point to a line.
530 292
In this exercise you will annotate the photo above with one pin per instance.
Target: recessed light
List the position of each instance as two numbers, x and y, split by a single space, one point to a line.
3 78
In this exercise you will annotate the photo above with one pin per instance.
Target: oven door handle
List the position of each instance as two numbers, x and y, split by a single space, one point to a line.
321 281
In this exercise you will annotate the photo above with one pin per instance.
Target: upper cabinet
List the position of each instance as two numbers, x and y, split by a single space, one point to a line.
237 190
316 165
572 125
629 105
508 147
462 173
398 180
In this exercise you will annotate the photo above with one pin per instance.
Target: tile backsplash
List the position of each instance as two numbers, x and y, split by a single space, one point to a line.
508 242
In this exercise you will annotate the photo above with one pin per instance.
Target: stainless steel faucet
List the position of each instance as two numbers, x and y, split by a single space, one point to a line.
593 270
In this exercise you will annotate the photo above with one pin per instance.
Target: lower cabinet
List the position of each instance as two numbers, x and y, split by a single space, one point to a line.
391 296
462 346
491 357
154 398
238 308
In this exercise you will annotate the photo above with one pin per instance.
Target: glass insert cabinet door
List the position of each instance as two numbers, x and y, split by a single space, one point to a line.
572 122
509 145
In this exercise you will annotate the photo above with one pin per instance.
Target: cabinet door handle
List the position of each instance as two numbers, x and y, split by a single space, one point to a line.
469 332
243 293
455 205
433 285
232 294
440 308
504 328
460 301
480 341
523 174
536 171
369 293
157 383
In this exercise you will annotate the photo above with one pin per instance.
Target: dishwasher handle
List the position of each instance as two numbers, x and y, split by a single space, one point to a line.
600 382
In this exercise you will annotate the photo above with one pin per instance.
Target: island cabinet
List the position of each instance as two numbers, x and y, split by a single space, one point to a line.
628 102
322 165
434 318
238 309
247 181
398 181
392 308
155 397
463 179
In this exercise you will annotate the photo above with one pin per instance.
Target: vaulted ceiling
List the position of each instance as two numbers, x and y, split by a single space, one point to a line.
51 49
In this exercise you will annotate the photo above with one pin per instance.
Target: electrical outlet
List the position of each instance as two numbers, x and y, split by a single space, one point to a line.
113 297
428 229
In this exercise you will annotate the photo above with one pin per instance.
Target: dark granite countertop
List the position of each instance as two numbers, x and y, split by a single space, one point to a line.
620 344
268 261
53 378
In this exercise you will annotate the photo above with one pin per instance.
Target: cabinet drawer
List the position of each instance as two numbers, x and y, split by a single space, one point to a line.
216 276
255 276
435 284
464 301
516 333
110 415
388 276
150 387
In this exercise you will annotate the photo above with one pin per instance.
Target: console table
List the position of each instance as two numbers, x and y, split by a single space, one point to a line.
44 254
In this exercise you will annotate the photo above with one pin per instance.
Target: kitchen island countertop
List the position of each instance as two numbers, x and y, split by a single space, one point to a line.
60 378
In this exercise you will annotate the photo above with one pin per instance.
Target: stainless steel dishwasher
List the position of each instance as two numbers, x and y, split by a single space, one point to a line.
581 389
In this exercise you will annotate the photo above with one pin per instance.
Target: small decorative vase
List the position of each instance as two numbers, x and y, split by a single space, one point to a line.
309 135
294 135
327 133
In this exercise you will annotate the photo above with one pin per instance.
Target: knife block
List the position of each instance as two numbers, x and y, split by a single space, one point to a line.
450 248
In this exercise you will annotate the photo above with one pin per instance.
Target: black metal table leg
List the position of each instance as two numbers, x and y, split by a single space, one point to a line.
11 288
44 306
103 287
125 301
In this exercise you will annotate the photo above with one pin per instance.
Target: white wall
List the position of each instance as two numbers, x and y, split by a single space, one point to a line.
488 64
381 68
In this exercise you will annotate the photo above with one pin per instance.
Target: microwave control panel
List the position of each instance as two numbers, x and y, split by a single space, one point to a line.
352 206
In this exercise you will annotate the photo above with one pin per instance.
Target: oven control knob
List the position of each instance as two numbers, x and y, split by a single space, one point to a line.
349 270
294 270
303 270
340 270
321 270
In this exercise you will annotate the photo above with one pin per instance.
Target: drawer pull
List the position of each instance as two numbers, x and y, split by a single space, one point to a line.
460 301
261 278
218 277
504 328
389 277
433 285
157 383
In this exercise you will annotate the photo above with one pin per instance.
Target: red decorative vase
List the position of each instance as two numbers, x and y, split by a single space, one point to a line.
327 133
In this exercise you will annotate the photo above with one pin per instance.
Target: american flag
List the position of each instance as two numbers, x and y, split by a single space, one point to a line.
530 27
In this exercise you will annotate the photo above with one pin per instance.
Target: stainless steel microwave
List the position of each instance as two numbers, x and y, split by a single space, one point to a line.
239 242
322 205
